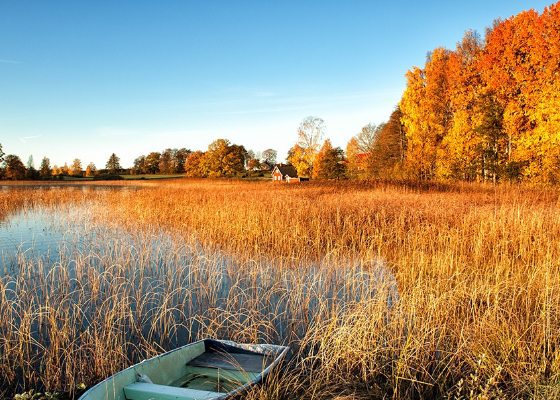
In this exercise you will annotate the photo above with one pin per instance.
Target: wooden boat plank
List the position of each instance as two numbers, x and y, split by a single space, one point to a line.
232 361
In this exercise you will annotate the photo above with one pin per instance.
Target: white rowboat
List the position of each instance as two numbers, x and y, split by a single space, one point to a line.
204 370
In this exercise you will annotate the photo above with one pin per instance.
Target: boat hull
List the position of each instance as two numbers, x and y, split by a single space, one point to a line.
207 369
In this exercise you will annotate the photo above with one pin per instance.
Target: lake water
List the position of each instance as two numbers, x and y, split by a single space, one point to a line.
34 234
149 286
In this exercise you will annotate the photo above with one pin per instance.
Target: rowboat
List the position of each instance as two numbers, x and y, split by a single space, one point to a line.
203 370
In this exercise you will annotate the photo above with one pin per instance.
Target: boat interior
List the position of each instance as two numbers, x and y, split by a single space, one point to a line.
211 373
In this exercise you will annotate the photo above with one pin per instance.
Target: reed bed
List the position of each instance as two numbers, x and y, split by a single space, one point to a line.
385 289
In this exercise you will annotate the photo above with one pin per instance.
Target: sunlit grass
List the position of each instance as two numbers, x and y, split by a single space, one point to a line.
476 267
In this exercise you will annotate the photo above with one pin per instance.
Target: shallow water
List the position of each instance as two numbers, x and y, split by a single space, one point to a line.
63 266
34 233
40 239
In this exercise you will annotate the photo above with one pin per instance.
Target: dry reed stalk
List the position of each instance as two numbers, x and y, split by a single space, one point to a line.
476 267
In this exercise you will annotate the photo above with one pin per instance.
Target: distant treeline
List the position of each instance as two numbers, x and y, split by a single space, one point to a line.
222 159
486 111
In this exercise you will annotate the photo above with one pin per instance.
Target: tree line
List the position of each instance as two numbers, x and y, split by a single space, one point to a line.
220 160
488 110
12 168
376 151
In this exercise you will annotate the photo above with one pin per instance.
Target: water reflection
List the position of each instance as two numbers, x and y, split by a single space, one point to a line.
34 233
65 242
69 280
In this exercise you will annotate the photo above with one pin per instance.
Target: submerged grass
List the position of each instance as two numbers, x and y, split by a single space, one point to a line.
315 265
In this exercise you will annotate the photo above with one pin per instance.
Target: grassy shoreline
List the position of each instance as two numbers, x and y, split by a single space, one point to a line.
476 267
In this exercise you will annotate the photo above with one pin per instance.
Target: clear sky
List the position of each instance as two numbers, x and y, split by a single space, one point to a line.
85 79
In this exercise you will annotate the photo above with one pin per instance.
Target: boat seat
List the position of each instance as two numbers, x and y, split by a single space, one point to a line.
233 361
151 391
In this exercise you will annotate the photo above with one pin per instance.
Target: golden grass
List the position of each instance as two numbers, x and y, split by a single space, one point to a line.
476 315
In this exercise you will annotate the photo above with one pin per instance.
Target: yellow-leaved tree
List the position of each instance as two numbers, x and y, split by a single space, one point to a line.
302 155
329 162
299 160
460 157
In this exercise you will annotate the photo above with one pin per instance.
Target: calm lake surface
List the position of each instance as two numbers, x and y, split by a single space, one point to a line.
66 245
76 280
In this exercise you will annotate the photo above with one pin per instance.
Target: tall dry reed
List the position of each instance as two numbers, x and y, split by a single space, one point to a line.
476 314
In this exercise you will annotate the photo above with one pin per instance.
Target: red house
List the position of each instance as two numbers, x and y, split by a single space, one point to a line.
284 173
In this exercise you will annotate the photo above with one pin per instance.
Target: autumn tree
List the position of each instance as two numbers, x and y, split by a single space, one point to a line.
210 164
459 156
13 167
253 164
139 165
151 165
353 167
361 152
166 162
91 169
329 162
1 154
521 68
493 141
223 159
390 147
113 164
542 146
192 165
269 156
427 113
178 160
297 157
420 157
489 109
76 168
367 141
438 92
45 169
234 163
64 170
31 172
310 134
368 137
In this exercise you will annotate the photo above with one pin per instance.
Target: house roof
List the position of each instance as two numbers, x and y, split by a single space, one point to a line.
287 170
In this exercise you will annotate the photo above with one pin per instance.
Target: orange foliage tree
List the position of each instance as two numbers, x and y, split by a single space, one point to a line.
489 110
426 113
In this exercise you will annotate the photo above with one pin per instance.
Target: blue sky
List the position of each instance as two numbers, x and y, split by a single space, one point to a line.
86 79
